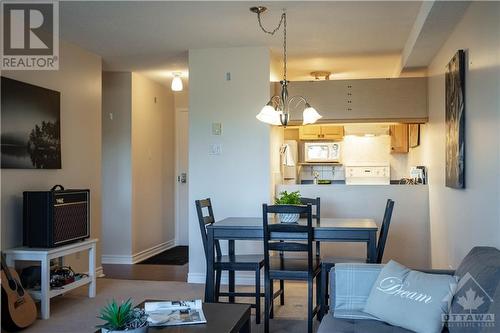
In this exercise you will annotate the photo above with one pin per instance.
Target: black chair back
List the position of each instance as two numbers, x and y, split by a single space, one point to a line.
205 220
384 230
279 236
316 204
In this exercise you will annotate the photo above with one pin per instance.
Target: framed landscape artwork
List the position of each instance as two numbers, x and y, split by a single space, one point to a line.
31 132
455 121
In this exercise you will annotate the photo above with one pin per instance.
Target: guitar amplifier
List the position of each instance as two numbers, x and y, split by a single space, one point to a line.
56 217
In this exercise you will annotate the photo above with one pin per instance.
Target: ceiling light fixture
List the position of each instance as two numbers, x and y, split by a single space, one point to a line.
318 75
176 82
276 111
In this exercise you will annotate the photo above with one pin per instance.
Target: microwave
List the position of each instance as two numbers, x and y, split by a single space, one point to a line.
321 152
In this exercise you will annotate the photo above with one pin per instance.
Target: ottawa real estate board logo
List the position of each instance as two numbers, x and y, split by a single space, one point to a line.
471 310
30 36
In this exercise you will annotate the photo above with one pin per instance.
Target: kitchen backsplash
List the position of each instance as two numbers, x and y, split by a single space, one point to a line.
325 172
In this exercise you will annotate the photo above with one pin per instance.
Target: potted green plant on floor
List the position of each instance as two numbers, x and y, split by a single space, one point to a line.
123 318
285 198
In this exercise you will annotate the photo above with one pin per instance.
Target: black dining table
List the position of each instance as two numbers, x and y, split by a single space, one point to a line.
251 228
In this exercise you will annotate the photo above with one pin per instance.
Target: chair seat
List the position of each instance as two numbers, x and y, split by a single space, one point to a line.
239 261
291 267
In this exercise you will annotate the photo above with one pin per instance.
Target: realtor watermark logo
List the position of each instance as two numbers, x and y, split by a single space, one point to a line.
471 309
30 37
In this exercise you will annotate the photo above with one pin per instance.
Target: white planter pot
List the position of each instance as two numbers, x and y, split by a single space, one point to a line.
289 218
143 329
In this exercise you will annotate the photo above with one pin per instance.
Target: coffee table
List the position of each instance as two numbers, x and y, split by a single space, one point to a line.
221 318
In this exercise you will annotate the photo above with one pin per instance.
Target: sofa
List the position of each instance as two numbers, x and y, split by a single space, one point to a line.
481 266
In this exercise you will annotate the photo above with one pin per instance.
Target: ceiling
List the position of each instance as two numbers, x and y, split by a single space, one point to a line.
351 39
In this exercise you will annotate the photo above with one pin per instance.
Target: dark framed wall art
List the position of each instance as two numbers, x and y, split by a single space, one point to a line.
31 126
455 121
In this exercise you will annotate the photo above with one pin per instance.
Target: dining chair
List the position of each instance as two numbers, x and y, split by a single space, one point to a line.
328 263
231 263
279 237
316 204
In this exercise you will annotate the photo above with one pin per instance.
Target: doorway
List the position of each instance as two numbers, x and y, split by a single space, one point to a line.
181 169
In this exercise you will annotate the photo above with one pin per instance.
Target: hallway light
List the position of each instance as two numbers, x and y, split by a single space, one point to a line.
176 82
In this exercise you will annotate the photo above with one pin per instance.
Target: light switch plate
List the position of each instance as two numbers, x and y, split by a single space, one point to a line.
215 149
216 128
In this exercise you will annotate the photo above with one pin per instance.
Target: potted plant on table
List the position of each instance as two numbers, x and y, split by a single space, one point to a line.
285 198
123 318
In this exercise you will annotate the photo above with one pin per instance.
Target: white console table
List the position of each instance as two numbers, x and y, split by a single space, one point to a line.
44 256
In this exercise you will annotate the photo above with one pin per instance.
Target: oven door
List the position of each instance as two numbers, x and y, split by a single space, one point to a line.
317 152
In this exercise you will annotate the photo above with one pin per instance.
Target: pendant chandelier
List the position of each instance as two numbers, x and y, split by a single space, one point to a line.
276 111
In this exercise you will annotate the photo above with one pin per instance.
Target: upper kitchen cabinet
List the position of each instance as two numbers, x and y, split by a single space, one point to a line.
321 132
371 100
399 138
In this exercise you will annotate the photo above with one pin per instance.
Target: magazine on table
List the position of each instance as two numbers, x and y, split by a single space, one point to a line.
172 313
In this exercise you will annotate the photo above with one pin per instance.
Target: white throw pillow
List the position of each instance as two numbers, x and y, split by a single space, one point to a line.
410 299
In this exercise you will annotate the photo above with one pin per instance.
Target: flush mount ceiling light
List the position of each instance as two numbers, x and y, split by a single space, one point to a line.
318 75
176 82
276 111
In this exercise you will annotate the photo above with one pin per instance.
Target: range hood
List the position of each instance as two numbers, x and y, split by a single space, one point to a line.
366 129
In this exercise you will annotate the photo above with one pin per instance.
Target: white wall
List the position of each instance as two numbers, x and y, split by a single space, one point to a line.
238 180
138 173
152 164
116 163
461 219
79 81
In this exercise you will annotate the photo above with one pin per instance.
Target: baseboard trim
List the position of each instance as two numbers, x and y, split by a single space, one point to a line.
116 259
139 256
241 278
99 272
152 251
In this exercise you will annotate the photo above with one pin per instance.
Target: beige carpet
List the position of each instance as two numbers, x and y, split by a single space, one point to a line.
75 313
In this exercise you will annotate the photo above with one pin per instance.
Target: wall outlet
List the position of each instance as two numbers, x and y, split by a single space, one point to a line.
215 149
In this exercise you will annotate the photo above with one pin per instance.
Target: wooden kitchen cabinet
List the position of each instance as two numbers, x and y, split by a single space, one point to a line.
310 132
332 132
321 132
399 138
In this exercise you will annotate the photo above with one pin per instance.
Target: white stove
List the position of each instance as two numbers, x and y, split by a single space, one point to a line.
368 173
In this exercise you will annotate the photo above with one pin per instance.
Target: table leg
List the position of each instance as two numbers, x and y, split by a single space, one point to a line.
372 247
45 288
209 285
92 285
231 273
